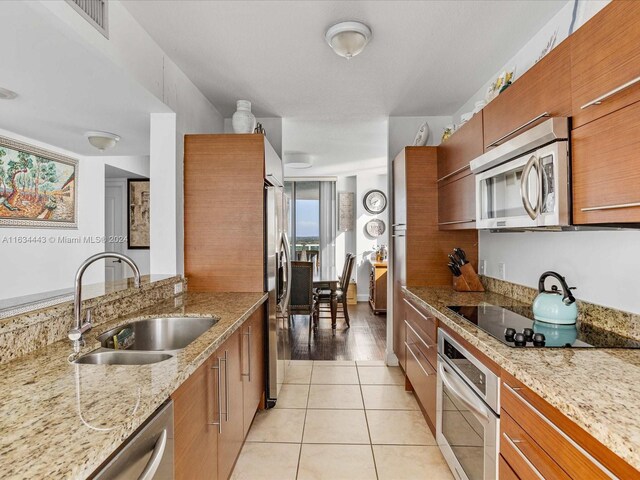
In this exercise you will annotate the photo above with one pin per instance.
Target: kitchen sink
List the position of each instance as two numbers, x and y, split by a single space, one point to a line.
112 357
160 334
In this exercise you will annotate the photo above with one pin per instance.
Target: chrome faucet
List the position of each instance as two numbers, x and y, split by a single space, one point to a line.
80 327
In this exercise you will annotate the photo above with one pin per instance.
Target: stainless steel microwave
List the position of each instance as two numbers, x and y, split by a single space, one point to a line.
524 182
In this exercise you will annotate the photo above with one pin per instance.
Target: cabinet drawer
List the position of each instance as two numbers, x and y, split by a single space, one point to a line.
571 457
544 88
526 457
606 169
423 379
457 204
420 321
422 343
455 153
505 472
605 57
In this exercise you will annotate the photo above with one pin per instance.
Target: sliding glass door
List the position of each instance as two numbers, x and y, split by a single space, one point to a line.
312 223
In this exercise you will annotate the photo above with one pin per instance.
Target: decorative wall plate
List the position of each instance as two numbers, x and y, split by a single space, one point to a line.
375 228
375 201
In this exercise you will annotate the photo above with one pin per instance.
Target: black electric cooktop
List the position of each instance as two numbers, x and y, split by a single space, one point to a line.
515 327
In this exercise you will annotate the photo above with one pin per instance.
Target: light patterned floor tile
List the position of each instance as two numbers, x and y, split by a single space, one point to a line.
333 375
267 461
410 463
371 363
388 397
336 426
335 396
381 376
334 363
336 462
300 374
277 425
399 427
293 396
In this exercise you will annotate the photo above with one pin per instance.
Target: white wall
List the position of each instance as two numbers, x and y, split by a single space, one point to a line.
138 164
131 47
600 263
365 245
273 127
30 268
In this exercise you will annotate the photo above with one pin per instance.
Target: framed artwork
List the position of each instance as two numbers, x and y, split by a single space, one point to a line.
38 188
138 219
345 211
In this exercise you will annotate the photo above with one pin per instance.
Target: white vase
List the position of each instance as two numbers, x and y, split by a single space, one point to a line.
243 120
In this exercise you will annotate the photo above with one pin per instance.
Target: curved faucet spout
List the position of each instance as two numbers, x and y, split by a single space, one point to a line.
75 334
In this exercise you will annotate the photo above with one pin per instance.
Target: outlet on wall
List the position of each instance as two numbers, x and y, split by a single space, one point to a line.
177 288
502 271
482 267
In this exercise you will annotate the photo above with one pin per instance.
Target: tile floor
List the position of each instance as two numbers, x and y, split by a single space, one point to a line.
340 420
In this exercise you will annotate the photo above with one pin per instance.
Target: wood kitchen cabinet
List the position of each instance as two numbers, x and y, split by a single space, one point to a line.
456 183
606 169
419 247
253 354
378 287
537 441
544 88
195 406
605 57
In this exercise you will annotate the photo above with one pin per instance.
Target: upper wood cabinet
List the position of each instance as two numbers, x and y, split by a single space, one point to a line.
606 169
544 88
457 204
605 56
455 153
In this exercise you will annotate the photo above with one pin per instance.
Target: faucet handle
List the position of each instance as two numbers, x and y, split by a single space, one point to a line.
87 323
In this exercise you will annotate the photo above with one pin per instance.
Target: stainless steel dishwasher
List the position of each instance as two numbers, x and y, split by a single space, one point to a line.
148 454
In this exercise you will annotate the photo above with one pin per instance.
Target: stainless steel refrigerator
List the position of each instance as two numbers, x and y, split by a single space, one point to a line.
277 275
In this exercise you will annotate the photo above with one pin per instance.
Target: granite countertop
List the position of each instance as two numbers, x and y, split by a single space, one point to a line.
599 389
63 420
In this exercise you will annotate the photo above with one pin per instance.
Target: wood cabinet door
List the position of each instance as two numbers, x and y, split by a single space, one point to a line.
196 438
253 365
606 169
604 57
505 472
232 436
545 87
457 204
455 153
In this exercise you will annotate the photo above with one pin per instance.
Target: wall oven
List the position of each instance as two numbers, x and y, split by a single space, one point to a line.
524 182
467 406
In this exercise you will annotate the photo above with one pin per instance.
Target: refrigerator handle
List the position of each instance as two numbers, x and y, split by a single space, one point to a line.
287 257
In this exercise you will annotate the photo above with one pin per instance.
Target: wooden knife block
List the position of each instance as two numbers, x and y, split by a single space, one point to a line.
468 281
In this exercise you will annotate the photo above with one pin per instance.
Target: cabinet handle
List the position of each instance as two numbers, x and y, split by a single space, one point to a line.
521 454
461 169
416 334
516 130
226 385
219 422
526 403
456 222
248 335
416 358
611 207
397 236
610 93
398 224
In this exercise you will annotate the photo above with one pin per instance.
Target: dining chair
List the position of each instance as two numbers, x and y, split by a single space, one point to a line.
323 297
302 300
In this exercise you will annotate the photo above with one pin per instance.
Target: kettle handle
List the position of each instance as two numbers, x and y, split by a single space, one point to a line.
568 298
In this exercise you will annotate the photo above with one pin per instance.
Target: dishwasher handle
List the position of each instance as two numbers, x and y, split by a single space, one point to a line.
156 457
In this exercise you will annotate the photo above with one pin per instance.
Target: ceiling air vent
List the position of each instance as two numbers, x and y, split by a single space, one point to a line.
95 12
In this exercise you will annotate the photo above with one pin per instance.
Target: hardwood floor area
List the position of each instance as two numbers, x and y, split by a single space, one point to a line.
365 340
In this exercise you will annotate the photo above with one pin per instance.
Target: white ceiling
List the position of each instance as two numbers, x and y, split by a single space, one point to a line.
425 58
65 89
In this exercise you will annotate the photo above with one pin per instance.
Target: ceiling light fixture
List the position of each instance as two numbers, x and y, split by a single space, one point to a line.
298 160
6 94
102 140
348 39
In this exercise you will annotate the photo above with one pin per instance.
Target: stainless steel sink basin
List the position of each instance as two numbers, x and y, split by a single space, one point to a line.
161 334
112 357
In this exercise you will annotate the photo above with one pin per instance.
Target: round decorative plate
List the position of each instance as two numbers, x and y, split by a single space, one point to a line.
375 227
375 201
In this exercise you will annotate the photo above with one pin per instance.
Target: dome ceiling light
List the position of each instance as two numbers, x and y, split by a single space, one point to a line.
348 39
102 140
6 94
298 160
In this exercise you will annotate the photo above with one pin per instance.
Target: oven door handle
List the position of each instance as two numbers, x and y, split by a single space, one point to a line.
457 388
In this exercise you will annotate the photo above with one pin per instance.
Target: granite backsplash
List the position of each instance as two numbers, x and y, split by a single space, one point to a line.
26 332
617 321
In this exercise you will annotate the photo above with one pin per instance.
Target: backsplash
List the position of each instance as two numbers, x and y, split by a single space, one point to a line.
618 321
24 333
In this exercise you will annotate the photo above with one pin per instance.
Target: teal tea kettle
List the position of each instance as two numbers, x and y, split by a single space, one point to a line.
553 306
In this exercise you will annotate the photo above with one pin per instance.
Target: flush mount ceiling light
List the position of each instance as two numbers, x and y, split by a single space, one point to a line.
298 160
6 94
102 140
348 39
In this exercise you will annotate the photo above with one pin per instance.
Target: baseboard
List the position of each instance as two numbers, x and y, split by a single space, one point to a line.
363 298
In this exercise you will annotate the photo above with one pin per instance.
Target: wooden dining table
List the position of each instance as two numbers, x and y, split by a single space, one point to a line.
330 284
